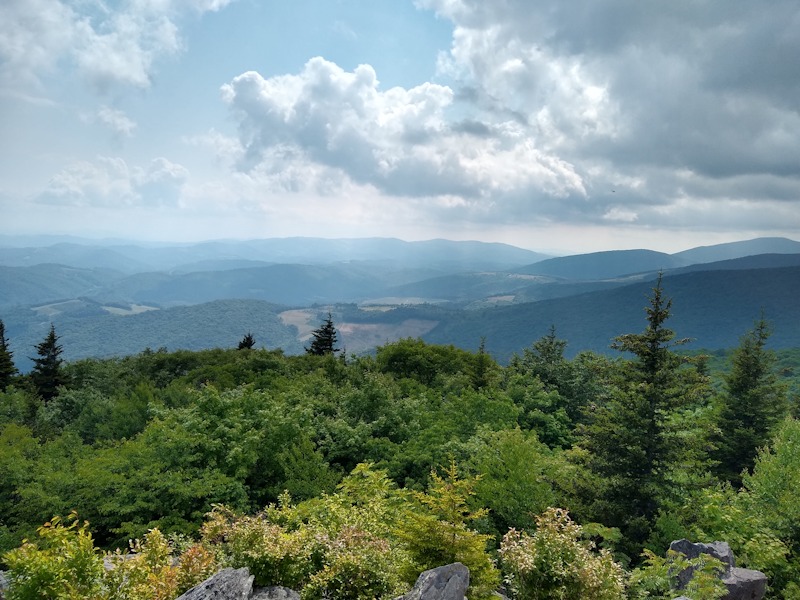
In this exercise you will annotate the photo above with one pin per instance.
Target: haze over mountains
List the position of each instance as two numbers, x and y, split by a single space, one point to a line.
118 298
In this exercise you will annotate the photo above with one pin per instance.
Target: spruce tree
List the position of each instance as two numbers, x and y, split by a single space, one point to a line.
324 341
247 342
632 444
7 368
753 402
46 374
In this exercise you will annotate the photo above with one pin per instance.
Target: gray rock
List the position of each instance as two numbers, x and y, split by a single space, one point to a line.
719 550
228 584
3 584
745 584
275 592
742 584
449 582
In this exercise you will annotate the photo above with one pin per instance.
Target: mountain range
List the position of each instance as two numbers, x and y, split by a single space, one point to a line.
119 298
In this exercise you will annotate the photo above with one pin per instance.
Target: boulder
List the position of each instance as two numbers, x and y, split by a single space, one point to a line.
228 584
742 584
719 550
449 582
745 584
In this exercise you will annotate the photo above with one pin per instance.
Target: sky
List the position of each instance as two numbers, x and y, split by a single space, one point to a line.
555 126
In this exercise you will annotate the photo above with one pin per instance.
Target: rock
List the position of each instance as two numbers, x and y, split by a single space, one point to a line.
228 584
442 583
719 550
3 584
742 584
745 584
275 592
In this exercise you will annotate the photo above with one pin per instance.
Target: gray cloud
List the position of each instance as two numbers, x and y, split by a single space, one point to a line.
671 103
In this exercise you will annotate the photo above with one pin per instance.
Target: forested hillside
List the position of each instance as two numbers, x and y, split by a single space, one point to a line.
376 467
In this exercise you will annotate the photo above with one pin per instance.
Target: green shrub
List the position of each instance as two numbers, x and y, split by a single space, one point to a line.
63 565
555 562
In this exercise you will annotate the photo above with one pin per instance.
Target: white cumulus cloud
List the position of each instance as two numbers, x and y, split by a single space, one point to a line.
111 182
109 45
401 141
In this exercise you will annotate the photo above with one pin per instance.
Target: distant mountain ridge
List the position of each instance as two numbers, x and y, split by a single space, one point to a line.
446 292
604 265
129 258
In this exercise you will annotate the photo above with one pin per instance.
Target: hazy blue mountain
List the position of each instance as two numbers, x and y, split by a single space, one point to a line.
221 264
49 282
73 255
759 261
280 284
713 307
603 265
718 252
443 255
86 330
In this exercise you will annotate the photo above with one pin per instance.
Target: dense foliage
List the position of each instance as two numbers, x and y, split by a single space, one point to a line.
347 476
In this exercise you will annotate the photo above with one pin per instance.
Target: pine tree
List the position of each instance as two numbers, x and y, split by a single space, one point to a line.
324 341
752 404
247 342
46 374
632 444
7 368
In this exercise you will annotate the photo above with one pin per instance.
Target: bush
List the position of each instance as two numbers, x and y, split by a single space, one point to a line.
555 563
64 565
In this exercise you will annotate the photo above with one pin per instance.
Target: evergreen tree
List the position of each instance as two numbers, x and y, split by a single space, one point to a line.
752 404
631 440
7 368
247 342
324 341
46 374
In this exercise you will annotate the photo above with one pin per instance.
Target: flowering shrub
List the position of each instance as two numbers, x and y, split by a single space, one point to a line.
335 546
555 563
66 565
151 572
273 554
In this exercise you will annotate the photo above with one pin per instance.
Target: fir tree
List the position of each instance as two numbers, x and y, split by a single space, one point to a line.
632 444
247 342
324 341
752 404
46 374
7 368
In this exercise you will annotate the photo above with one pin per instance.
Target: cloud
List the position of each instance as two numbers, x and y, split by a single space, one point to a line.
400 141
695 102
110 47
111 182
116 121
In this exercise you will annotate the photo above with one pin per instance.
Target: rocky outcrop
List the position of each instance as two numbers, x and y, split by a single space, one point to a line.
449 582
742 584
236 584
442 583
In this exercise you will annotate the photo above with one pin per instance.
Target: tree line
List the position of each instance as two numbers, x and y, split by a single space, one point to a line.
635 451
